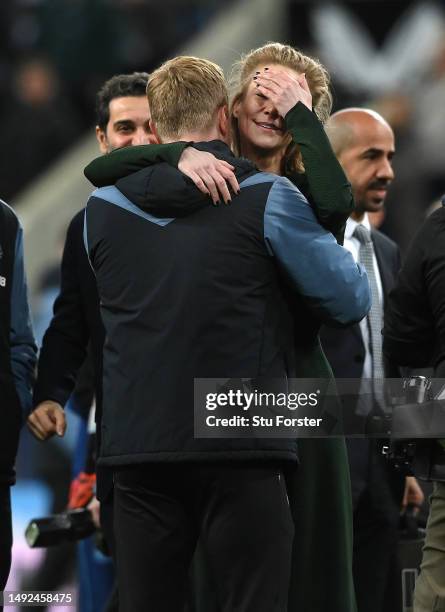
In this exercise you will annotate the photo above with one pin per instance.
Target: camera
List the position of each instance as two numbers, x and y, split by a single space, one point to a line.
418 424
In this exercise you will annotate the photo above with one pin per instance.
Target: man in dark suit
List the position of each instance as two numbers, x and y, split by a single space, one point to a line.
364 144
122 120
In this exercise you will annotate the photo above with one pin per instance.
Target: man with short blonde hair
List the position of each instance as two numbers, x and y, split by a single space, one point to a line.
184 93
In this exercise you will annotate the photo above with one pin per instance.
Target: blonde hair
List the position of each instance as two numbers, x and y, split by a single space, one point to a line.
276 53
184 95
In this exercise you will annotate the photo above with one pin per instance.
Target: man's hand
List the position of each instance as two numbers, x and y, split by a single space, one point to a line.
413 493
47 419
284 88
211 175
94 508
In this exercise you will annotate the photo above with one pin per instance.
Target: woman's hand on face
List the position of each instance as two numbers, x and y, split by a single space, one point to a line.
283 88
211 175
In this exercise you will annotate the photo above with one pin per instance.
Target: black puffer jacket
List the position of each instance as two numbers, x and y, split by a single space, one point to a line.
192 291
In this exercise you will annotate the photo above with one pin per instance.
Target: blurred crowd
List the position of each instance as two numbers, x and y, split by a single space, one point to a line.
389 56
55 54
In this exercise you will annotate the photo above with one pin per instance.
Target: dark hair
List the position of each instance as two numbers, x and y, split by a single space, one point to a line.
118 86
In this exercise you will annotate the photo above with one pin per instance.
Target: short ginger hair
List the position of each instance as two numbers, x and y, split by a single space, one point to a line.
184 95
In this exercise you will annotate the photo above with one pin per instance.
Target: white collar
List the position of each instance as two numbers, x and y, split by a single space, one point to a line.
351 224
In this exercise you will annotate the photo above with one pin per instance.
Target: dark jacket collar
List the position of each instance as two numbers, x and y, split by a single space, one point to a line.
163 191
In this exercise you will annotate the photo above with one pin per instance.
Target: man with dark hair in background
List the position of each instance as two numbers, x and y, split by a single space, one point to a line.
364 144
122 120
122 112
18 354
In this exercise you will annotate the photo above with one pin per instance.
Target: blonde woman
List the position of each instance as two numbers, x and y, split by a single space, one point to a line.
280 99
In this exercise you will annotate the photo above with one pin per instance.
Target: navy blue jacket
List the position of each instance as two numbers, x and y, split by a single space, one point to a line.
192 291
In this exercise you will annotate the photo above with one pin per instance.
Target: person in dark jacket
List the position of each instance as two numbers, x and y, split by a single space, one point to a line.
209 303
18 353
414 336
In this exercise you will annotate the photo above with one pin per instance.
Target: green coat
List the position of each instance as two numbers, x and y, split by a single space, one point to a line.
319 490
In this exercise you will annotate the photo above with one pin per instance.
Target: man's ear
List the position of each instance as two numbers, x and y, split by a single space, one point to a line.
224 121
154 132
102 140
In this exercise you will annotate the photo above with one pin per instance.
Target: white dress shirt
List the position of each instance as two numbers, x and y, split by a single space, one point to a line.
353 245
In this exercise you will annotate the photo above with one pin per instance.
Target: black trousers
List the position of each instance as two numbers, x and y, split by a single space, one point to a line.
5 534
377 492
106 522
243 517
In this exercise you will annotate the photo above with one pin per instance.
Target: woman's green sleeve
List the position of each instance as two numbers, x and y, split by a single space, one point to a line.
329 189
107 169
